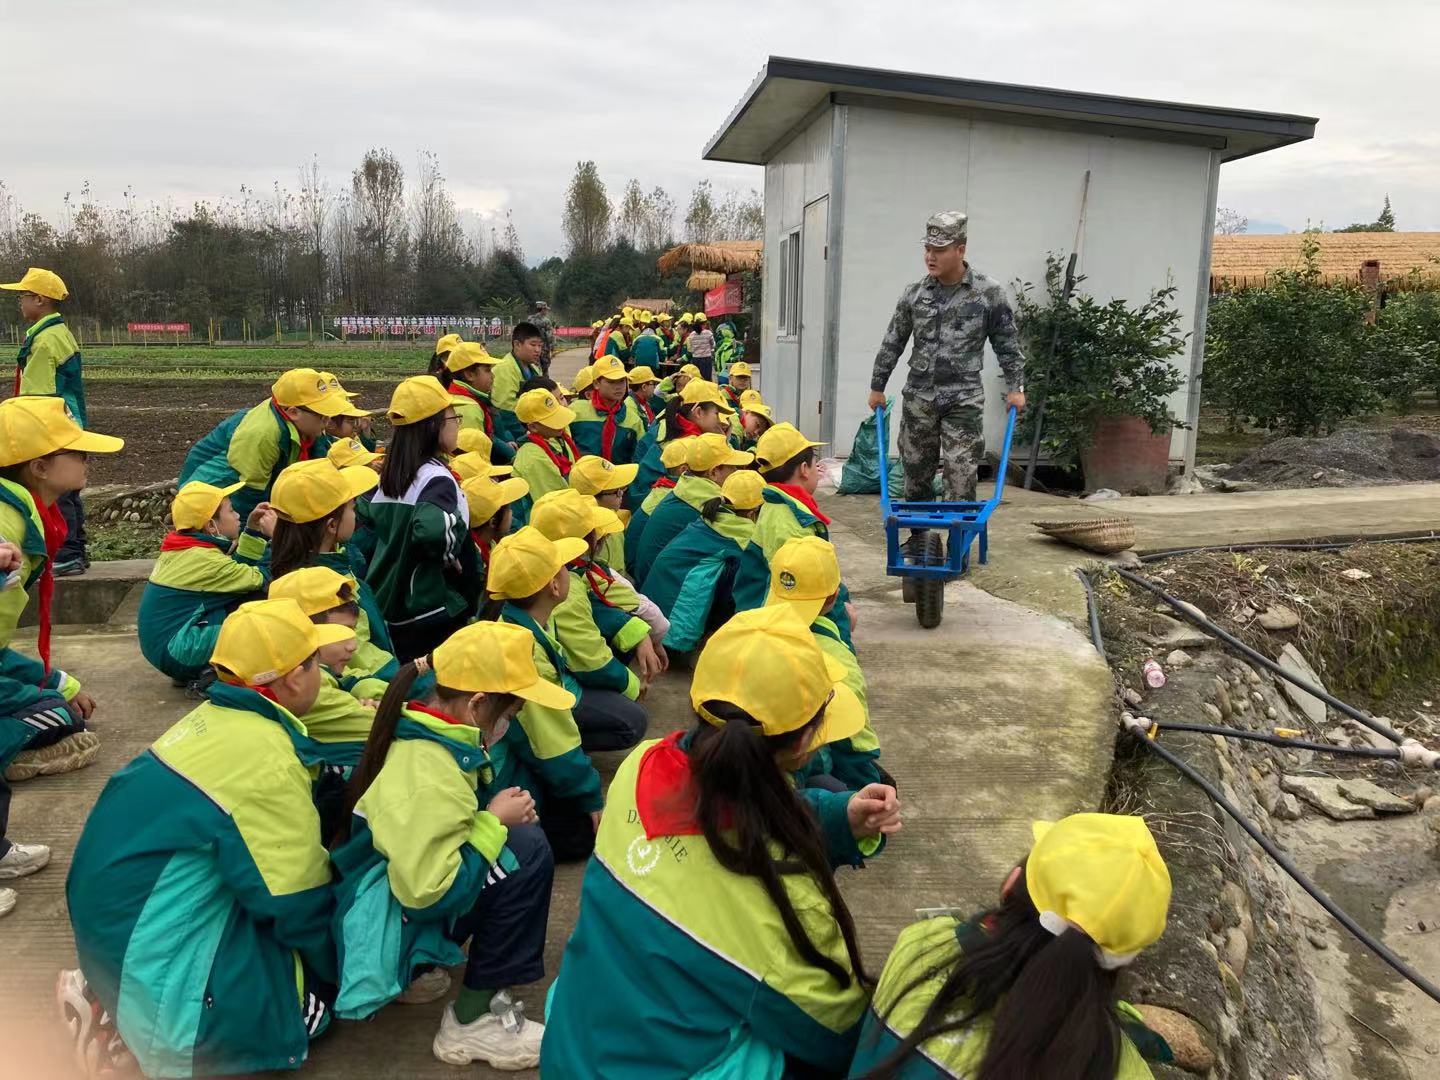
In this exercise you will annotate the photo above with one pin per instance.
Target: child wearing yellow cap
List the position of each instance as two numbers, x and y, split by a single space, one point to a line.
468 372
728 353
210 836
698 409
351 423
440 850
547 453
1029 988
607 422
805 573
545 753
728 963
208 565
643 384
425 572
672 461
491 501
316 511
515 369
786 458
606 484
253 445
344 454
755 419
709 460
648 348
49 363
443 344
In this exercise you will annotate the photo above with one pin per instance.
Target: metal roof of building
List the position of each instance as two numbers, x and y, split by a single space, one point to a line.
788 92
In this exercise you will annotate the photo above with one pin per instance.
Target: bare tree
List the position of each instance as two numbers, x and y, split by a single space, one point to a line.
587 211
659 228
630 217
702 218
1230 222
315 207
439 241
377 189
511 240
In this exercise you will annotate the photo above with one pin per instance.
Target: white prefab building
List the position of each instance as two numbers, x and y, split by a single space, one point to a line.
856 159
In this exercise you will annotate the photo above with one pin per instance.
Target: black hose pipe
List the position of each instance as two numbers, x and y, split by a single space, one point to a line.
1280 740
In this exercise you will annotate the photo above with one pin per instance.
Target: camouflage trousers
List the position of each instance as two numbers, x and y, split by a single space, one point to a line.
945 435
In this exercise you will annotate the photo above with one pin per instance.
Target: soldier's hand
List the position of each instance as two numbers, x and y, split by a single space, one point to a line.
1016 398
877 399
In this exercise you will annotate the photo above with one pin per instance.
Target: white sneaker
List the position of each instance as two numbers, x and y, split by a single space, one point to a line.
426 987
7 901
489 1040
99 1051
23 859
70 753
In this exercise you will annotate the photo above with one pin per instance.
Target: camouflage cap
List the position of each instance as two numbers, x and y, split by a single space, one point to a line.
946 228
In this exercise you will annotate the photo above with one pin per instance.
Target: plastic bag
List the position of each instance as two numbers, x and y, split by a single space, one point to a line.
862 467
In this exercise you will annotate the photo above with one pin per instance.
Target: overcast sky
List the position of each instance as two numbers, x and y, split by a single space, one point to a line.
190 100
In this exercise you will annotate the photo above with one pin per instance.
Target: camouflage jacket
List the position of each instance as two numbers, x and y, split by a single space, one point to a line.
949 324
547 336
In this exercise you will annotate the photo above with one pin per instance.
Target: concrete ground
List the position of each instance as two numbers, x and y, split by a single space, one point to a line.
1001 715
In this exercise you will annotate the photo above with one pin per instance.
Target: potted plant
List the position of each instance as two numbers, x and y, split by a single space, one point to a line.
1105 375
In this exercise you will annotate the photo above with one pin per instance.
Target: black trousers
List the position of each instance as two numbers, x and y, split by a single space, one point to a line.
608 720
74 511
52 720
507 925
569 830
418 639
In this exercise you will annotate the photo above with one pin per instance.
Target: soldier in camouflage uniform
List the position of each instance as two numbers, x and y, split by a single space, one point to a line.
542 322
950 314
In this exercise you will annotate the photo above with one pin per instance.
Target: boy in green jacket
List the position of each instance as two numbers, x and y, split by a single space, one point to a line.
709 460
200 892
49 363
515 369
547 453
607 423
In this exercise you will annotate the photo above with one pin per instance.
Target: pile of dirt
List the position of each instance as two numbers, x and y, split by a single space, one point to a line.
1348 458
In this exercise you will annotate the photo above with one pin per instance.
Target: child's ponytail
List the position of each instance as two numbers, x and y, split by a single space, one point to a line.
711 508
490 610
377 746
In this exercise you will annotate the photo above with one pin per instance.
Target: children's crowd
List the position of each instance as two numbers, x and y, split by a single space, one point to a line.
403 658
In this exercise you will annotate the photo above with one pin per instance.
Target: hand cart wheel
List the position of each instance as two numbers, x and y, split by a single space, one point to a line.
930 591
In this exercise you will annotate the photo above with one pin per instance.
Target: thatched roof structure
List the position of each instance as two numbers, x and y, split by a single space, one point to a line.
704 281
653 306
721 257
1248 260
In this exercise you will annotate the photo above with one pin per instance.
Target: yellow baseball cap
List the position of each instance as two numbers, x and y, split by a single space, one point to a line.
664 316
44 283
474 441
592 475
33 426
781 443
583 379
418 398
310 490
740 367
525 561
744 489
700 316
265 639
467 354
765 661
676 452
597 324
317 589
196 503
1103 874
750 397
540 407
686 317
609 367
703 392
468 466
495 658
344 453
567 513
306 388
709 450
759 408
641 375
351 409
690 371
485 496
804 573
445 343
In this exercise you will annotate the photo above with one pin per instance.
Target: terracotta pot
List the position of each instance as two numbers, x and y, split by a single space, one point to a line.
1127 456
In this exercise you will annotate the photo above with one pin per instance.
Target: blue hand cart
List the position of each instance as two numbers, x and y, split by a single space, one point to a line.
950 530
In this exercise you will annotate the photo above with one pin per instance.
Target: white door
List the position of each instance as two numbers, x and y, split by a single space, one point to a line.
813 234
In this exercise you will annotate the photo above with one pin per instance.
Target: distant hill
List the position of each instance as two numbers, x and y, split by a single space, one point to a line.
1268 228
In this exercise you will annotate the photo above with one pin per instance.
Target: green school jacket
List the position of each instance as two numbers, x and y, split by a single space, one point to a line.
421 849
200 886
588 652
647 453
24 681
635 528
852 761
541 751
783 518
588 430
534 466
510 375
49 364
374 658
710 571
190 592
252 446
678 509
699 976
931 948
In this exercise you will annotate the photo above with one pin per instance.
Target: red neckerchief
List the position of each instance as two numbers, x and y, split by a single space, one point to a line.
483 545
733 395
687 427
665 482
460 390
53 520
180 541
804 498
599 580
649 412
266 693
664 791
558 460
416 706
305 444
612 424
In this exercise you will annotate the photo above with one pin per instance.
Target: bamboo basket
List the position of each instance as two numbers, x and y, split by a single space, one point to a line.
1104 536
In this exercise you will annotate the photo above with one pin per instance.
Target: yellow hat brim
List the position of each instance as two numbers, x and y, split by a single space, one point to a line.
499 470
332 634
808 610
358 480
546 694
621 476
92 442
570 549
844 715
559 417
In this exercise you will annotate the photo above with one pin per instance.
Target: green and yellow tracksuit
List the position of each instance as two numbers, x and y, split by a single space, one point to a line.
49 364
32 699
710 571
635 527
605 431
679 967
339 725
373 665
510 375
647 350
672 514
421 849
853 761
541 751
590 649
252 446
785 516
928 951
478 413
537 462
196 582
200 892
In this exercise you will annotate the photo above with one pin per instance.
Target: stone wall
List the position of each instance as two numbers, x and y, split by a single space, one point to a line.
138 504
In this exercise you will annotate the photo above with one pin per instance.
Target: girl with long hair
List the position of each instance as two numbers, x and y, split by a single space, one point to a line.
698 408
709 916
1026 990
709 460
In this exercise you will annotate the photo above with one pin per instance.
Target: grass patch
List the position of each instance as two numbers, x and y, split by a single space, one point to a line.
109 541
